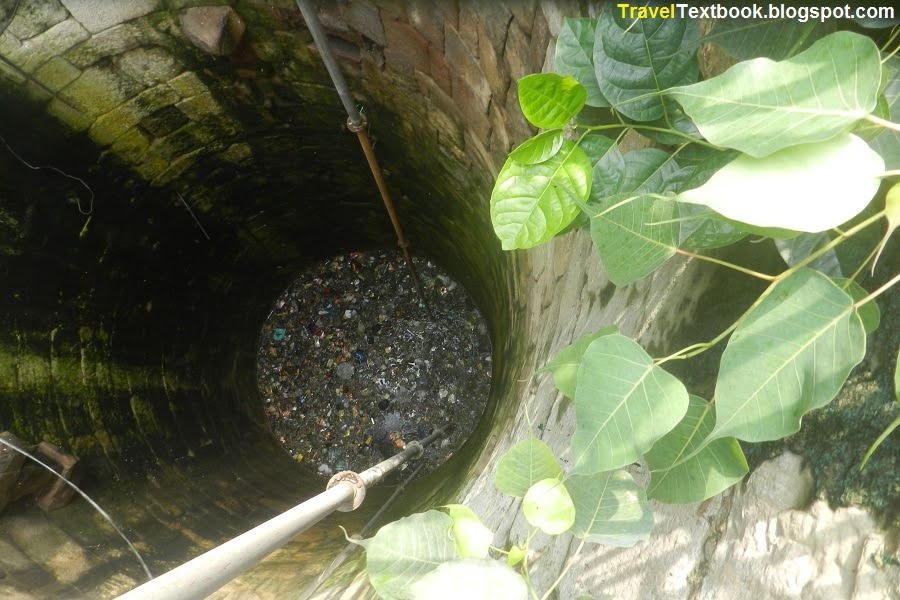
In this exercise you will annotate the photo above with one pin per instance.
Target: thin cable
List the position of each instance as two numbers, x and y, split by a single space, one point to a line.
60 171
86 497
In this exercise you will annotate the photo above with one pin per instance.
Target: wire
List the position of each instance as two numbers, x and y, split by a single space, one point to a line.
86 497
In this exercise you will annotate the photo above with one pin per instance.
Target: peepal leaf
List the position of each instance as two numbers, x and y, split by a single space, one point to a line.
575 56
523 465
549 101
532 203
809 187
565 366
623 404
404 551
472 579
610 508
684 468
887 144
761 106
869 313
769 38
801 247
539 148
473 539
635 233
548 506
636 59
790 354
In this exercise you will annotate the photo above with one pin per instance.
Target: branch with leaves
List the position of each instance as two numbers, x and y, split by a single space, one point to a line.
797 146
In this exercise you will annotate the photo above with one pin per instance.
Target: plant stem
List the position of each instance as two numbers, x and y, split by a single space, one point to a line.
893 281
564 571
893 173
723 263
832 244
877 442
883 123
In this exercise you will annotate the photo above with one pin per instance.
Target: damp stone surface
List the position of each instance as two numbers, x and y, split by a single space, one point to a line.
351 365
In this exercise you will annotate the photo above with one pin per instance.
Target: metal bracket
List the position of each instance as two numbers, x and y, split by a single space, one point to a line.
354 481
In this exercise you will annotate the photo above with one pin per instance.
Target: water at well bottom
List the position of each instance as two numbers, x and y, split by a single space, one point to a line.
351 367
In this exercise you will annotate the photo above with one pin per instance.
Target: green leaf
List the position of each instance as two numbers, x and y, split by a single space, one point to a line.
634 233
539 148
777 39
532 203
404 551
635 238
761 106
515 556
801 247
472 579
548 506
575 57
888 143
636 59
597 147
610 508
523 465
868 313
608 174
549 100
565 366
790 354
623 404
685 468
704 232
678 121
892 216
810 187
473 539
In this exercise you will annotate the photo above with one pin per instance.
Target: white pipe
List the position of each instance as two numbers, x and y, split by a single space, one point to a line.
200 577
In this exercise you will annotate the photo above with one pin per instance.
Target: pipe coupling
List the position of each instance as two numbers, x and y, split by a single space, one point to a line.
357 485
418 449
356 128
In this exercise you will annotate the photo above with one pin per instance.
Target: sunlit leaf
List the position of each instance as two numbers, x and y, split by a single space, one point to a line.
532 203
539 148
623 404
548 506
575 57
473 539
515 556
610 508
790 354
761 106
523 465
869 313
549 100
470 579
801 247
746 38
565 366
684 468
892 216
404 551
636 59
810 187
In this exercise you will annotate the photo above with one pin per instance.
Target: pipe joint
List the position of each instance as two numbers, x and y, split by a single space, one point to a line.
417 449
355 483
357 127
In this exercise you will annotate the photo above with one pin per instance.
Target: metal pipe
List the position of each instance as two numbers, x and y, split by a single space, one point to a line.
315 28
357 123
200 577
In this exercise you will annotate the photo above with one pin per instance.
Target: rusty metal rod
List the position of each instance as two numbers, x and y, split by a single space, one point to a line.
357 123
